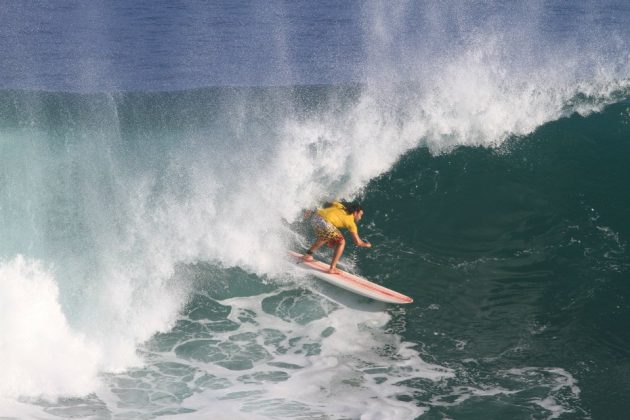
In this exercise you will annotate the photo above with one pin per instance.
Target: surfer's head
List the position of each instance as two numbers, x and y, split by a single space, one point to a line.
354 209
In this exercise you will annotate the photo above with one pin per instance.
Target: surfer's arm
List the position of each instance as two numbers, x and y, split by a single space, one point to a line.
360 242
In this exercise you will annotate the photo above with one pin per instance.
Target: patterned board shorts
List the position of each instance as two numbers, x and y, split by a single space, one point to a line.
325 230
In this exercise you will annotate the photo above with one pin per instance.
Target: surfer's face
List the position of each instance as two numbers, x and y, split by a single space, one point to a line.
358 215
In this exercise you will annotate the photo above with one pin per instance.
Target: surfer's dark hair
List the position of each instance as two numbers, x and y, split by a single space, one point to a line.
349 207
352 207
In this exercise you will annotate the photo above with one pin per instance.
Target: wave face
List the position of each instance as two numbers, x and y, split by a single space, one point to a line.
520 257
144 216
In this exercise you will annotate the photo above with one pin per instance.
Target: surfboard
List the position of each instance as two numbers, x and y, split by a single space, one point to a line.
350 282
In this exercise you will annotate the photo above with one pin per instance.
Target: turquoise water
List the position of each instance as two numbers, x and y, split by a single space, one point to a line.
156 159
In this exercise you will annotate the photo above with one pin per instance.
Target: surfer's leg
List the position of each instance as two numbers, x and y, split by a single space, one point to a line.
338 251
322 231
318 244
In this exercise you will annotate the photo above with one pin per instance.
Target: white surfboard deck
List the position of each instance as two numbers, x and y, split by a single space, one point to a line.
350 282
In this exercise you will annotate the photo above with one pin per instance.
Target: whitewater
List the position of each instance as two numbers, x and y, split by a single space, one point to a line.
145 210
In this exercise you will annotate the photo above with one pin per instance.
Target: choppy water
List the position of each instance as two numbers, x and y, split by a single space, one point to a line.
155 160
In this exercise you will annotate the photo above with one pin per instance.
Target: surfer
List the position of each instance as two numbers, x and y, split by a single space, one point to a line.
326 223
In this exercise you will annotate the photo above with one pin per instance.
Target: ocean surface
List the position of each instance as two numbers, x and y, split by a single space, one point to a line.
156 159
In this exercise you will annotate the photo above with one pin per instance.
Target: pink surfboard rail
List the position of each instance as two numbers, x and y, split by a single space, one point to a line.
350 282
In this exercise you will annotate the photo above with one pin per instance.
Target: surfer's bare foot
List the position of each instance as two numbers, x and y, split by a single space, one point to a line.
307 257
333 271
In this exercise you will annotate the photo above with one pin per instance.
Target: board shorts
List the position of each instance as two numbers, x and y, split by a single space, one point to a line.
325 230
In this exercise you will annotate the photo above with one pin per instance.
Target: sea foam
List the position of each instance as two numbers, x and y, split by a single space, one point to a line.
40 355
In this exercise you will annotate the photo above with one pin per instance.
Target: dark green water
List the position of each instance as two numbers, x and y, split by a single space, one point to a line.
521 252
